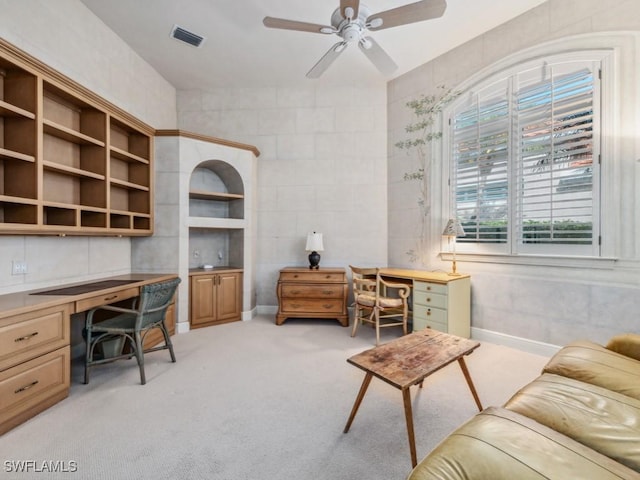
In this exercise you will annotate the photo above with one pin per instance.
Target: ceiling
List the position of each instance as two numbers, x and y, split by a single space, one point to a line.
239 51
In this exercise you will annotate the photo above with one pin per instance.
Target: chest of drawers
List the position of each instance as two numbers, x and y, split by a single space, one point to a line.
305 293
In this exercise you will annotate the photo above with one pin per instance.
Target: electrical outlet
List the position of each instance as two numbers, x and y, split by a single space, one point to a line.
18 267
196 254
219 254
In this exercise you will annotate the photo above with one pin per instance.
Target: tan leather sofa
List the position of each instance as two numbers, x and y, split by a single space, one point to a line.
579 420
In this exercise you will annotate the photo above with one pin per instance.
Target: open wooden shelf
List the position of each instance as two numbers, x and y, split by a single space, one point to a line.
217 196
70 162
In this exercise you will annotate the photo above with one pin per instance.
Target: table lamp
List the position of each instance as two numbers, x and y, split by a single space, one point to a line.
314 245
453 229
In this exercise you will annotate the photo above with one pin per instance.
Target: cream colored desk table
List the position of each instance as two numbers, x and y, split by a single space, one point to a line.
35 352
440 301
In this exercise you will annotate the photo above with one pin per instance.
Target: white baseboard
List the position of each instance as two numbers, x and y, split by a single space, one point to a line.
182 327
519 343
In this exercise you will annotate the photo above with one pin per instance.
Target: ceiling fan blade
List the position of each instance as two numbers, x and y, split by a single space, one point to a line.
353 4
414 12
377 55
284 24
328 58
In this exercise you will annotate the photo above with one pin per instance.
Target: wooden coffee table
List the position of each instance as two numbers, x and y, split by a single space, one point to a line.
408 361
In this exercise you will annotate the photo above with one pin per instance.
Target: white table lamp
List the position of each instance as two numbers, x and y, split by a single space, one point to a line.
314 245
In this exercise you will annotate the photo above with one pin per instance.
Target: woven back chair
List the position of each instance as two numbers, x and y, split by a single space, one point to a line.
130 326
377 301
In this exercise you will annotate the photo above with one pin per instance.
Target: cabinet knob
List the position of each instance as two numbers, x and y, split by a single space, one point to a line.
295 275
428 312
428 288
428 299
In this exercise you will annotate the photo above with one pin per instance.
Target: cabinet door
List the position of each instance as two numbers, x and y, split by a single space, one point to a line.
229 288
203 307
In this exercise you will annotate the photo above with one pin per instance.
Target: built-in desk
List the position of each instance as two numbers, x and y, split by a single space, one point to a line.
35 357
439 301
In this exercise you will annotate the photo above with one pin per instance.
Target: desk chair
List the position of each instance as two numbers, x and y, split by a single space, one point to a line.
378 302
148 312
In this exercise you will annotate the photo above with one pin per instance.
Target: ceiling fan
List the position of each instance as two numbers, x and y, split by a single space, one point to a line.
351 21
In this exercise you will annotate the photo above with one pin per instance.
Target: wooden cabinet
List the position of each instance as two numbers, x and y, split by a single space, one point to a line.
443 303
34 363
305 293
216 296
70 162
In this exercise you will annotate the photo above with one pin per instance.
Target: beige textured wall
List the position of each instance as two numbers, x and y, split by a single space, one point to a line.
322 167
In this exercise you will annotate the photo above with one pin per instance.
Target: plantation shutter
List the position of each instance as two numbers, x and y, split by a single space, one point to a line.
480 153
555 129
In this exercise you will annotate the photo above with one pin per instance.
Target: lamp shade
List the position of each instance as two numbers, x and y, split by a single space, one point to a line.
453 229
314 242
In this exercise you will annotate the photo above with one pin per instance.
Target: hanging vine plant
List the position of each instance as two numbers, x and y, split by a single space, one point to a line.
422 132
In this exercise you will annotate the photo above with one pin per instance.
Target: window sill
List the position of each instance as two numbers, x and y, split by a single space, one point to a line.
605 263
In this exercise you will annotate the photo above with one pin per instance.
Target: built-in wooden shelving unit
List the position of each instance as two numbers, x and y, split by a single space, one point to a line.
70 162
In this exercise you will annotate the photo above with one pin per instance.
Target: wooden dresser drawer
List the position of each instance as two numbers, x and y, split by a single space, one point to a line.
312 291
26 336
313 306
30 387
312 276
106 299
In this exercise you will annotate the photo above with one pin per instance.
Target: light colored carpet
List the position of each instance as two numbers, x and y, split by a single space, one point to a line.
251 400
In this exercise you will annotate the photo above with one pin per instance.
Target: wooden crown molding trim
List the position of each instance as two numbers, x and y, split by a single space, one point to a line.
39 68
206 138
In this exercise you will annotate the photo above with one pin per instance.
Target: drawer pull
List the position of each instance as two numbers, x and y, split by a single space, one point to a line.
295 292
327 292
295 305
26 337
327 276
428 288
295 276
112 297
429 299
327 306
428 312
27 387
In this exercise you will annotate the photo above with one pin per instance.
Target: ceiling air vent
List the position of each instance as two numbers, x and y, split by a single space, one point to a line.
186 36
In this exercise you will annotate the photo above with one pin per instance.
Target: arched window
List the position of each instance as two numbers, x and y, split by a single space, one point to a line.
524 154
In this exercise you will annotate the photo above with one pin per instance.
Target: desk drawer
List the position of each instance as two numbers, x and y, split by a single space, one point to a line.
424 313
429 287
422 324
32 334
313 277
328 305
28 384
312 291
105 299
430 299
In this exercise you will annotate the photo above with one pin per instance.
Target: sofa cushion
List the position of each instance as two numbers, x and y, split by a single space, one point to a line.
592 363
606 421
499 444
627 344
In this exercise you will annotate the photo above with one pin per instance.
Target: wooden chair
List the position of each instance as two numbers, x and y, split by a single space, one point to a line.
148 312
378 302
